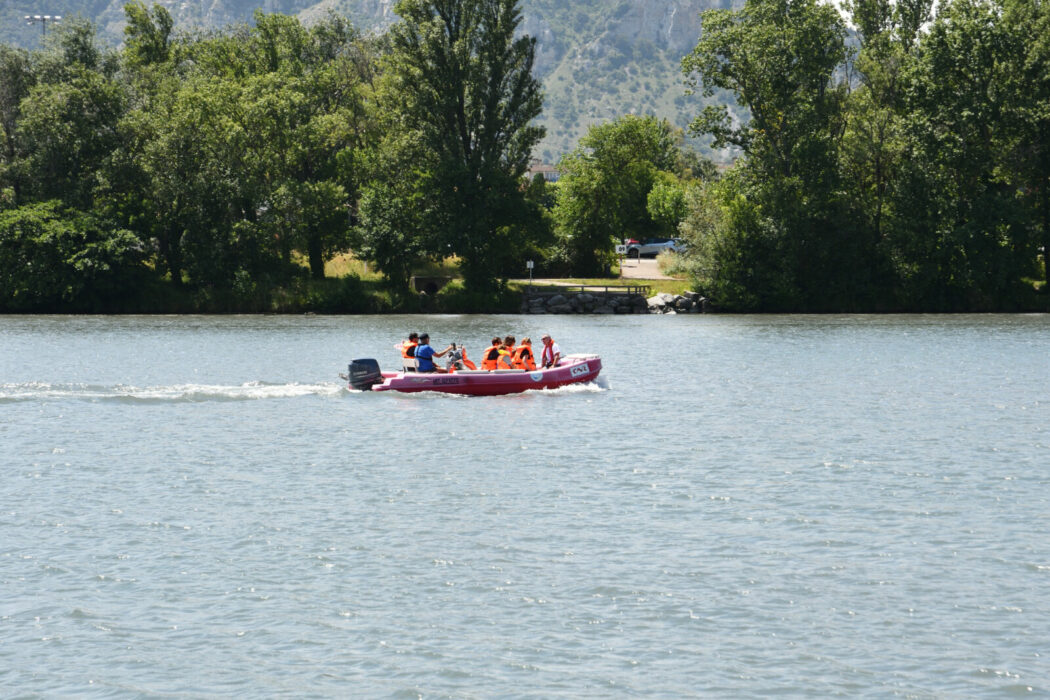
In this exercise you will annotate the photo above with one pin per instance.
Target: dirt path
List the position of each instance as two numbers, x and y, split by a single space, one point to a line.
642 269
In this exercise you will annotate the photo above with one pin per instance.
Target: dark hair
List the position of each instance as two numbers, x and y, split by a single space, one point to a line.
509 340
413 335
424 335
496 341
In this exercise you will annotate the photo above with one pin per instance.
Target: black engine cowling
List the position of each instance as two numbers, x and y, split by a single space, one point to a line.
363 374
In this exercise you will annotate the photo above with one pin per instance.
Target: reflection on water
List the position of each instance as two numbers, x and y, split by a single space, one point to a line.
805 505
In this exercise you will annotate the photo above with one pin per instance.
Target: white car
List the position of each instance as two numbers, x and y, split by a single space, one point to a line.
651 247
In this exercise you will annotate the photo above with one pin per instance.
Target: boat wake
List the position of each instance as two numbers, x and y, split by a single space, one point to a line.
249 391
598 385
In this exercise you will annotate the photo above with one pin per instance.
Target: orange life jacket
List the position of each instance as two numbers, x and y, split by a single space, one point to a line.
490 358
405 348
523 358
506 353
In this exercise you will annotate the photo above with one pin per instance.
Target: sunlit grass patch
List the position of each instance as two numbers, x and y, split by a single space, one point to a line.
346 264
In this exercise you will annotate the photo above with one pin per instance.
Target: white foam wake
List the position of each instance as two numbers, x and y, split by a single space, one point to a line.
592 387
249 391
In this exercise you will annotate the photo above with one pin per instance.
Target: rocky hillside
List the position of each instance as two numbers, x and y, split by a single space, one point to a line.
598 59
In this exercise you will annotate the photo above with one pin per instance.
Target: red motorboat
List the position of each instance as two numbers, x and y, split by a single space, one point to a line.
365 375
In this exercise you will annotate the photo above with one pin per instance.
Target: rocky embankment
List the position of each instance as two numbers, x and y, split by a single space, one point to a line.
598 303
684 303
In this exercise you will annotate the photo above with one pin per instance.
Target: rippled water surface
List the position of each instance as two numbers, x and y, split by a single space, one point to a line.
742 506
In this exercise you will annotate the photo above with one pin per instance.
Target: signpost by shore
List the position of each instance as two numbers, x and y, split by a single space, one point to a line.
621 250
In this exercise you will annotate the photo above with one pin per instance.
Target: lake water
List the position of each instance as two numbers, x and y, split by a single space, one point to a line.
742 506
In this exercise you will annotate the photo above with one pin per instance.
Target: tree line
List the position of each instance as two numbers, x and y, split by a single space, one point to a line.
245 158
899 162
236 163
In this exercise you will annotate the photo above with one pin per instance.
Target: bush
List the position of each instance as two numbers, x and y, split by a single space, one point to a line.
59 259
345 295
455 299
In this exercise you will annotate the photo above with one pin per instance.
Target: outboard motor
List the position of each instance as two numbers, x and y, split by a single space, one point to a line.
363 374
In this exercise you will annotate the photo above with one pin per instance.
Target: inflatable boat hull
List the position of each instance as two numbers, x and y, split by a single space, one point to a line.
573 369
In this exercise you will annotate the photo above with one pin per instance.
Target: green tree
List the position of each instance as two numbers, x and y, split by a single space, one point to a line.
66 132
1026 78
147 34
779 58
397 217
307 117
666 204
247 158
57 259
720 260
466 90
873 144
605 184
16 80
798 247
961 230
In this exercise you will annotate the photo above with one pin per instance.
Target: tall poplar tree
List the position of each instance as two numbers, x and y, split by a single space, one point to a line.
467 91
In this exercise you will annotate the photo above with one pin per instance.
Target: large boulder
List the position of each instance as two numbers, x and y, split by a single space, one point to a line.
556 300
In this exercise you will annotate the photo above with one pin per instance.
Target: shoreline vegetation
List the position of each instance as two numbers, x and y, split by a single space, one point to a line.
349 288
275 167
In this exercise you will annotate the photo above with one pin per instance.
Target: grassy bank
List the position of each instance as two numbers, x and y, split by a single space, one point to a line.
350 287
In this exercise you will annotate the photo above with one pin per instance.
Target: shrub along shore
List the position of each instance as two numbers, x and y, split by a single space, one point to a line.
348 294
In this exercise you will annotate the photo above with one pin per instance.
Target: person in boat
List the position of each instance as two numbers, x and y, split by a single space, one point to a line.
425 355
408 350
551 353
522 357
490 357
506 353
458 360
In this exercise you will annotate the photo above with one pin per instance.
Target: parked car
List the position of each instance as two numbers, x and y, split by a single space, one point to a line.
651 247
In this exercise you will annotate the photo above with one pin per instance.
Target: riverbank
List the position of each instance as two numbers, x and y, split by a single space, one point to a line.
351 293
345 294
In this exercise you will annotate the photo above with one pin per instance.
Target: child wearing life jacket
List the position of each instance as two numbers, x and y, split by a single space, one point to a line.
506 353
522 357
490 356
408 351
